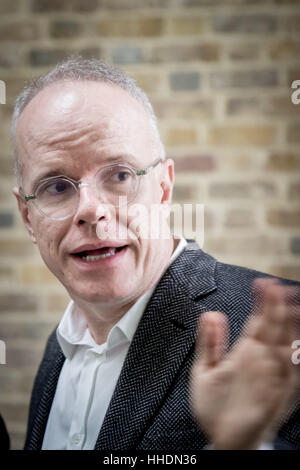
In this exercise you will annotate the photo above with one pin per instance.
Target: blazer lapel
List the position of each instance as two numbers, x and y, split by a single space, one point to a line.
40 415
163 338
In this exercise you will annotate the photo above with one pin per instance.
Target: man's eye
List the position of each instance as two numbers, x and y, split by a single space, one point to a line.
116 176
57 187
120 176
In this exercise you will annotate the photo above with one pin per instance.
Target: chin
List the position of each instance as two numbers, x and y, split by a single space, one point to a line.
103 295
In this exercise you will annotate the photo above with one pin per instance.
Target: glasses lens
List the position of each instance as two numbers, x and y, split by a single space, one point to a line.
57 198
115 182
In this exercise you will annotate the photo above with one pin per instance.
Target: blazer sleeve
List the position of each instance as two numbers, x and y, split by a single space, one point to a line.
4 437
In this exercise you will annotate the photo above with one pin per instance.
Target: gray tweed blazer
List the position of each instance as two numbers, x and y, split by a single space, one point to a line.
149 409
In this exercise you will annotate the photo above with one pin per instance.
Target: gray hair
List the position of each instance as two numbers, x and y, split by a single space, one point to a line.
77 68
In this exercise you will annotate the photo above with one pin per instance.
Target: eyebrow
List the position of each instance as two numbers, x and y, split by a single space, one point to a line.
60 171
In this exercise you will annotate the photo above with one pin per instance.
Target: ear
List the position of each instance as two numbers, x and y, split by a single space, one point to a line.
23 208
167 181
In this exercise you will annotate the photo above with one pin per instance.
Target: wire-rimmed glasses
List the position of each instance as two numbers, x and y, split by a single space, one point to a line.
57 197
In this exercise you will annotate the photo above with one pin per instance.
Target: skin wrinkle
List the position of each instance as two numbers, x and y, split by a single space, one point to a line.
122 127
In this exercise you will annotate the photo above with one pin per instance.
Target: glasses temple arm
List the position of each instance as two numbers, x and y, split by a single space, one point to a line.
148 169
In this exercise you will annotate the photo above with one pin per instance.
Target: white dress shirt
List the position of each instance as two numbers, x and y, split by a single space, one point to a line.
89 374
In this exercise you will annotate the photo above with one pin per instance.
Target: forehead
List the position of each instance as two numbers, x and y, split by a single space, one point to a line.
70 103
74 115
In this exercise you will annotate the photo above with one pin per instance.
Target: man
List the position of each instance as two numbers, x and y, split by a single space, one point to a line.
115 374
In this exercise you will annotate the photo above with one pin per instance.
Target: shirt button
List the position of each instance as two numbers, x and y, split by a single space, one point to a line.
76 439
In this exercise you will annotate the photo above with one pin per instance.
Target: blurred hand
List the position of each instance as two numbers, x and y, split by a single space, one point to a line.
239 398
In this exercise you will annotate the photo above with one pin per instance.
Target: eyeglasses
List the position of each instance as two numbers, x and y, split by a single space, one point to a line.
57 197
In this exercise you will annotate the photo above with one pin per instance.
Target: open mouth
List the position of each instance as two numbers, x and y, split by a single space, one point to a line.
101 253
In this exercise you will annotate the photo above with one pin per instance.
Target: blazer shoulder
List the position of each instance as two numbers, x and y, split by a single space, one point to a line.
231 273
198 273
203 262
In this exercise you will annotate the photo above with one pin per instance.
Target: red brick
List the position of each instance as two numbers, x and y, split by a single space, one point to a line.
184 193
181 136
15 412
293 74
38 330
291 23
239 52
259 23
244 79
295 246
243 106
287 2
192 163
283 217
184 81
20 31
294 191
184 109
13 380
7 6
241 135
6 167
130 27
12 56
47 57
17 302
37 274
240 218
206 52
280 106
287 49
23 357
293 132
45 6
187 25
7 273
149 82
283 161
14 247
135 4
243 189
64 29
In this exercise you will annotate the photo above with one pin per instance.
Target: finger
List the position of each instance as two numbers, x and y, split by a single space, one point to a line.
258 289
211 342
273 325
293 301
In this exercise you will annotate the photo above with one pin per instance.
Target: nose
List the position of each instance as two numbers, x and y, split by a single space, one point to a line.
90 208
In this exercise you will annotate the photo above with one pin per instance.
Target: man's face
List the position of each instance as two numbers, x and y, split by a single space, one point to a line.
74 129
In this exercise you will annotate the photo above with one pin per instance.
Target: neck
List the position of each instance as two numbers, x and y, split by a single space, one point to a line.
101 317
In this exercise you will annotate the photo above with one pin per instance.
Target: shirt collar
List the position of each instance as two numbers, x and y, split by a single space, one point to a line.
72 330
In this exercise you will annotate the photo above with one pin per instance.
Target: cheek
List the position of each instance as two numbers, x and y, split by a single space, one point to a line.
48 237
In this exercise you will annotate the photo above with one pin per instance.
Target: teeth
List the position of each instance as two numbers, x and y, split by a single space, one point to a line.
96 257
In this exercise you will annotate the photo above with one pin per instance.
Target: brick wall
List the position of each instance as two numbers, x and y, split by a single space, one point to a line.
219 74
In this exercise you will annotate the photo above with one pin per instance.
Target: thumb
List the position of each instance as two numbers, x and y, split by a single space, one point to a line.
211 341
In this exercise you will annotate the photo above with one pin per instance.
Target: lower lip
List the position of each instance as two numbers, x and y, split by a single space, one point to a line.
106 262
